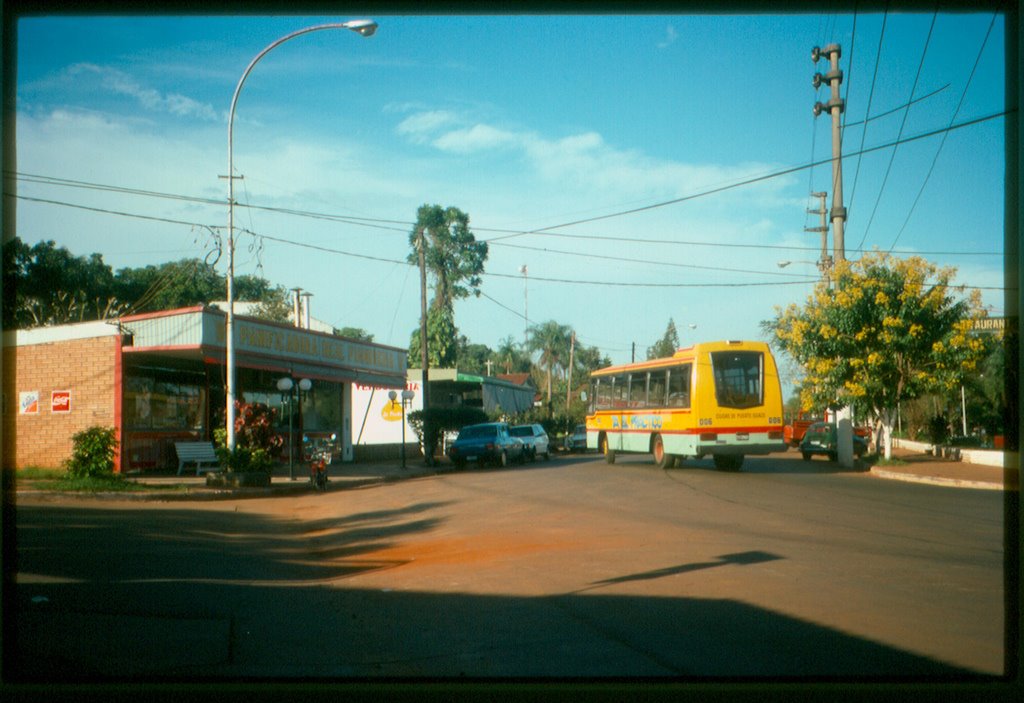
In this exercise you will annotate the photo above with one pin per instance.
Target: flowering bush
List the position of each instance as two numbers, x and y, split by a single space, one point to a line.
256 442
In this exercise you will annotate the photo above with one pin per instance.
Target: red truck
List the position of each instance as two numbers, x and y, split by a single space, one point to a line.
794 432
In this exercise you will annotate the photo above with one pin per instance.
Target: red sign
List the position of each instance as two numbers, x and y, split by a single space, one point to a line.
60 402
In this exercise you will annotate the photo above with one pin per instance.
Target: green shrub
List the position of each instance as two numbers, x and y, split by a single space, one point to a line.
93 453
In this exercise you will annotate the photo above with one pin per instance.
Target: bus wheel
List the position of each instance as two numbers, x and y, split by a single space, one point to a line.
728 462
661 459
609 453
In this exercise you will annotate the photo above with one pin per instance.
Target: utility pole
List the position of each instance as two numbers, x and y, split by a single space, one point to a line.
835 106
825 261
526 309
421 246
568 391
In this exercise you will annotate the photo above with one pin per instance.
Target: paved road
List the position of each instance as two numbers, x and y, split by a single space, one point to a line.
567 568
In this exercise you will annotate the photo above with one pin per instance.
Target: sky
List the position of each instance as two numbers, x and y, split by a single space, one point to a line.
642 168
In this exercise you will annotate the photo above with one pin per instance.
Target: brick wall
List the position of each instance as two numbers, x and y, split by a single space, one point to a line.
85 367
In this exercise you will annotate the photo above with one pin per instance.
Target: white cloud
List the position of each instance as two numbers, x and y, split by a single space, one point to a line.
420 126
479 137
670 36
121 83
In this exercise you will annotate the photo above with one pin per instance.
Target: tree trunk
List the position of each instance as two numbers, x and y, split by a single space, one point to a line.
886 418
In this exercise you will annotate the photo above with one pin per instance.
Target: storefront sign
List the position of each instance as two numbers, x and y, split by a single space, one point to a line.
60 402
28 403
392 411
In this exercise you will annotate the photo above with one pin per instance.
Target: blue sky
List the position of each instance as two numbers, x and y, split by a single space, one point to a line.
548 128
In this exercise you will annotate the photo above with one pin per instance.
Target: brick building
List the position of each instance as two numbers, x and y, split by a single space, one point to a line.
159 378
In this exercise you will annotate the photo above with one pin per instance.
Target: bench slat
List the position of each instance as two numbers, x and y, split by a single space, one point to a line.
198 452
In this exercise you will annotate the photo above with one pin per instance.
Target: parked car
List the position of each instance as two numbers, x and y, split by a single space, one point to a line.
488 442
535 439
577 439
820 438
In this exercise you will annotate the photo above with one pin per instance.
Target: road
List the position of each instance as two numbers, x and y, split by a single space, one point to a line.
556 569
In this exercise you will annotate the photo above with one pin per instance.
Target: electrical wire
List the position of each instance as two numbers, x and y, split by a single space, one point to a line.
942 143
546 230
867 112
903 122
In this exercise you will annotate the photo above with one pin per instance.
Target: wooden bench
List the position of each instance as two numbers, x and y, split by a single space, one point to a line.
196 452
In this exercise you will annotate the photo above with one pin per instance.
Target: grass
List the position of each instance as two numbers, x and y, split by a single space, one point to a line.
58 480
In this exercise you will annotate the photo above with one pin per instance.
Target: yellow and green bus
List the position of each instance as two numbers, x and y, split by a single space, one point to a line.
717 399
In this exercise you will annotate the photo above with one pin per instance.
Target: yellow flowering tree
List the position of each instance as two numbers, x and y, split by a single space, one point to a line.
888 330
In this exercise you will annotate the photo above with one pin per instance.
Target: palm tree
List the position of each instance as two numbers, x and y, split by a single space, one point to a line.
552 340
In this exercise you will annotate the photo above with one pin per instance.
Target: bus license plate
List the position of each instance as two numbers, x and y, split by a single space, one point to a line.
742 436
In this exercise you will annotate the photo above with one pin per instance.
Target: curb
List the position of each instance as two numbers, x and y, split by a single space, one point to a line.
936 480
201 493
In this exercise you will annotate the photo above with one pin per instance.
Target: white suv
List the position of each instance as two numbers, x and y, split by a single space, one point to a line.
535 439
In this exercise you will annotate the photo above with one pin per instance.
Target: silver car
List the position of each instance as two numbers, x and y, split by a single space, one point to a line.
535 439
577 441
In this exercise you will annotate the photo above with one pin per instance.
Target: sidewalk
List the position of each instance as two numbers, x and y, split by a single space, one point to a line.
168 486
925 468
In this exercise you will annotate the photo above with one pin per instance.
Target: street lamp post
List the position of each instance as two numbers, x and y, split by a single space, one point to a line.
287 385
407 396
365 28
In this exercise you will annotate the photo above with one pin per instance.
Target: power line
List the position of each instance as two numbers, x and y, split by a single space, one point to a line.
546 230
903 123
758 179
942 143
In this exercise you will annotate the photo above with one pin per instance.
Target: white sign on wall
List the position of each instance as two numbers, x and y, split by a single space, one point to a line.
378 420
28 403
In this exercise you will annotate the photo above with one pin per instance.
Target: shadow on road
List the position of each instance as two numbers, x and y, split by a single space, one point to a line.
197 595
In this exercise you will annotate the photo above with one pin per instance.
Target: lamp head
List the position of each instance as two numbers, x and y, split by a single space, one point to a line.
284 384
392 395
365 28
305 384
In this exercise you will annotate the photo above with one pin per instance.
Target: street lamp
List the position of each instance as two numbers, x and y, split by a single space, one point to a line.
407 396
286 385
364 28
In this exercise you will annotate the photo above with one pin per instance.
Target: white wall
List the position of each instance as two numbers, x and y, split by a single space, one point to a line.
380 427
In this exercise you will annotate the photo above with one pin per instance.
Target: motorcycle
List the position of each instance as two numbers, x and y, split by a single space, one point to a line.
318 469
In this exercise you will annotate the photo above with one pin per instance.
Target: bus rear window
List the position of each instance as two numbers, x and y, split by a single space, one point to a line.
739 378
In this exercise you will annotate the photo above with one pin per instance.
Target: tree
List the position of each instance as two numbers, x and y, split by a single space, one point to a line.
442 341
510 357
453 258
473 358
47 285
175 284
889 330
354 333
590 359
552 341
667 345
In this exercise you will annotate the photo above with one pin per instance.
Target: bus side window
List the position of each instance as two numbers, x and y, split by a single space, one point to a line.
620 385
679 387
638 389
656 389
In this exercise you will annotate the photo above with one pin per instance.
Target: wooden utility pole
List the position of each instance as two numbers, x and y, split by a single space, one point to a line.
568 391
428 448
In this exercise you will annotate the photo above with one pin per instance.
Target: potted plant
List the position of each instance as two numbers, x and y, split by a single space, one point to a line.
251 462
